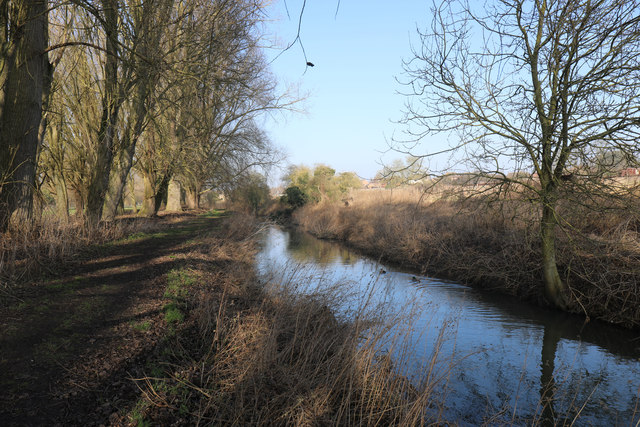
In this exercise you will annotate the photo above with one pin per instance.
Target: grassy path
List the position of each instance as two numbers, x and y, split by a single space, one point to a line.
69 344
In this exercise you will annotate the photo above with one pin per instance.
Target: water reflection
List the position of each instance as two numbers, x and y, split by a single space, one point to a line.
550 341
303 249
510 358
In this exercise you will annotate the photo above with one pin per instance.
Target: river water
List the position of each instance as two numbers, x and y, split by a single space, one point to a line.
497 357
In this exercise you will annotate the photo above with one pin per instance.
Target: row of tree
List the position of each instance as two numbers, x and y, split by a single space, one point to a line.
93 91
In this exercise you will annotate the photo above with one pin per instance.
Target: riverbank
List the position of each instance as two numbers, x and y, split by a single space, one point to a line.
490 246
172 327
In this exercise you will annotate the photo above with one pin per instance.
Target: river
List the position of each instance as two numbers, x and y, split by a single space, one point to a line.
499 358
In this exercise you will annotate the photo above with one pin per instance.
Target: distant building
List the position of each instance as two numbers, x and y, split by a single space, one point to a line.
375 184
630 172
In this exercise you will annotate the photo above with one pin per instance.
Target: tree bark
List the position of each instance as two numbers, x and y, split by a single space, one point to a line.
555 290
110 106
62 198
23 66
161 194
117 183
131 194
78 201
173 197
192 197
148 203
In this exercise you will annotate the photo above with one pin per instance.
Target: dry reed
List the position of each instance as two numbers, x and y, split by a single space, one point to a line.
275 354
494 244
46 244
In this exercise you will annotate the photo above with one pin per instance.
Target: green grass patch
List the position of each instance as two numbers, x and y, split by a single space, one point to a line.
65 285
178 282
142 326
172 313
19 307
136 415
141 235
135 237
214 213
42 307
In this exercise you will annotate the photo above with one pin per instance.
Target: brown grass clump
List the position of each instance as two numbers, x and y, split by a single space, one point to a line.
256 355
46 244
494 244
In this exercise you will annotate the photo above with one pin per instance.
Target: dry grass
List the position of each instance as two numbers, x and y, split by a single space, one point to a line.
45 245
272 354
255 353
250 353
495 244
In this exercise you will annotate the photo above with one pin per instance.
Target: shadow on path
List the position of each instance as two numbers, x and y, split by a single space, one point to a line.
82 331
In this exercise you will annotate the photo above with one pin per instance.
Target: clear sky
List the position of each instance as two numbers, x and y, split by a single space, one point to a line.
352 90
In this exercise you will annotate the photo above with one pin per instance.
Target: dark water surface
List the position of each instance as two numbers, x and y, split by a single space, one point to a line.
498 357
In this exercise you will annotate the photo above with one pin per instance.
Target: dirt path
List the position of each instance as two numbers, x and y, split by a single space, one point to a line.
71 343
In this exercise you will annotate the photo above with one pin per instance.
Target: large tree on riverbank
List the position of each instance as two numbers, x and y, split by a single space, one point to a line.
24 74
536 85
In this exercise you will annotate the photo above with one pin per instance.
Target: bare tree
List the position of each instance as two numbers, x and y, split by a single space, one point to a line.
149 31
24 68
529 85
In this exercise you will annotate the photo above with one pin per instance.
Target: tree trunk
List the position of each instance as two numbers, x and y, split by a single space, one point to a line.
173 197
78 200
148 203
555 290
110 105
23 66
120 210
192 198
62 198
161 194
117 183
129 143
131 194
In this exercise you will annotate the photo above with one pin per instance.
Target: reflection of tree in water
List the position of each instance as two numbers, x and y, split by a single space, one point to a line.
578 385
305 248
566 387
547 383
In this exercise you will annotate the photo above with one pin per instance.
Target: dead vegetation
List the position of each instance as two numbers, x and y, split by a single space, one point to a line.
217 346
495 244
256 354
43 245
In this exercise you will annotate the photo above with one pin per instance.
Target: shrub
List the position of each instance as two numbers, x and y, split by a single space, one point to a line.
295 197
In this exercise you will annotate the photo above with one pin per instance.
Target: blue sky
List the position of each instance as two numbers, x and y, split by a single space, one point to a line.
352 89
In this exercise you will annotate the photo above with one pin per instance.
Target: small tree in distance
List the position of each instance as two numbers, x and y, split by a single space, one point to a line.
295 197
251 192
530 85
318 184
400 172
